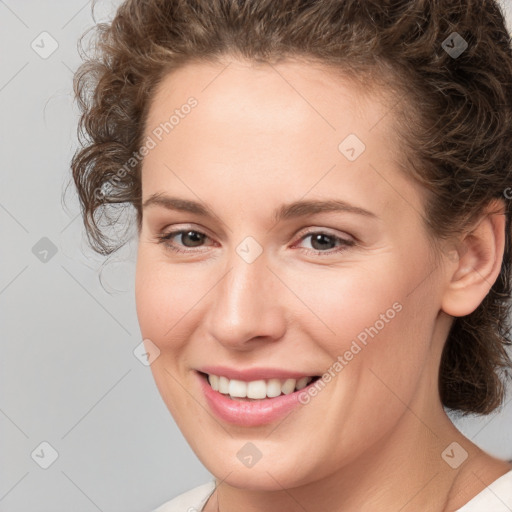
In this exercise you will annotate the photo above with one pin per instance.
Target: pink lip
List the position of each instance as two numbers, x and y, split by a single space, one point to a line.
253 373
248 414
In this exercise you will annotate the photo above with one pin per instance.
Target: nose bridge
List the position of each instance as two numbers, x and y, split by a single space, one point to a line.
245 303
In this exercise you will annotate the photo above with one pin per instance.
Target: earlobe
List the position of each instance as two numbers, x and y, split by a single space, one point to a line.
477 264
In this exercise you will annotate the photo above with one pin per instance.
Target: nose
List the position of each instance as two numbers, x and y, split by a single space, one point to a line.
246 306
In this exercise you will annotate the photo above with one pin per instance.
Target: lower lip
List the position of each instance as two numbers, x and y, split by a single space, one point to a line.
249 414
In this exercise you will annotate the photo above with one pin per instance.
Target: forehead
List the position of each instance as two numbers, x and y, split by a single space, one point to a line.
289 94
274 127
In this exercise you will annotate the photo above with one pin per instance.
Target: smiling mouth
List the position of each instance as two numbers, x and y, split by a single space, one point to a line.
248 391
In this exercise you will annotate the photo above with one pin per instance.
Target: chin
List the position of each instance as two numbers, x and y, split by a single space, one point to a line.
279 466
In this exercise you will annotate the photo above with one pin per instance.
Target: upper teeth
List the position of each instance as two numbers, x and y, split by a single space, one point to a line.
256 388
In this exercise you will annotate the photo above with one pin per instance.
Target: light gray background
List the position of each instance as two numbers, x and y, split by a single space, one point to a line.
68 375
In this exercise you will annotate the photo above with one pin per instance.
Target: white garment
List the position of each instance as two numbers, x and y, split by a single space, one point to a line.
497 497
190 501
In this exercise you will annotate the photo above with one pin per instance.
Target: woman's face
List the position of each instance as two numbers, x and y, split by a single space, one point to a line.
298 250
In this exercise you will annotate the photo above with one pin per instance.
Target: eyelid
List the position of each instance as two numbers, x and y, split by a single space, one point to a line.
179 228
327 231
343 244
164 237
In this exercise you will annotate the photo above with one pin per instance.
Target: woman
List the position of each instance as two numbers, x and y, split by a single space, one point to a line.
324 239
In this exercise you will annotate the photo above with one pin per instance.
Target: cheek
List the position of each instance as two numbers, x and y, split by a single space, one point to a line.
350 300
375 318
163 296
161 301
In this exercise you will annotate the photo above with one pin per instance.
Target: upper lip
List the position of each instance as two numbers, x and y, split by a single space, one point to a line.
251 374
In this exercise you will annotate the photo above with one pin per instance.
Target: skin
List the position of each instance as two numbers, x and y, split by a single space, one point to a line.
259 137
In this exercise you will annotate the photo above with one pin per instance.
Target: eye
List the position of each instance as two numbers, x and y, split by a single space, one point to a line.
322 242
189 238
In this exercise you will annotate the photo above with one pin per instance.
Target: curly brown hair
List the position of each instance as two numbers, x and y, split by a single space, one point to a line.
448 64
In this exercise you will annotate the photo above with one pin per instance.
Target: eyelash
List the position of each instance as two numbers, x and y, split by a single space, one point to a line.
163 238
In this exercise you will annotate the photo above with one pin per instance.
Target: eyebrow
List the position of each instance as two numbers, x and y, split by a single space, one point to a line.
287 211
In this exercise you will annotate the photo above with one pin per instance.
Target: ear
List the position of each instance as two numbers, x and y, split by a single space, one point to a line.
476 263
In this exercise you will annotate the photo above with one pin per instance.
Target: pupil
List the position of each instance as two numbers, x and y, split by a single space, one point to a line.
196 238
322 240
